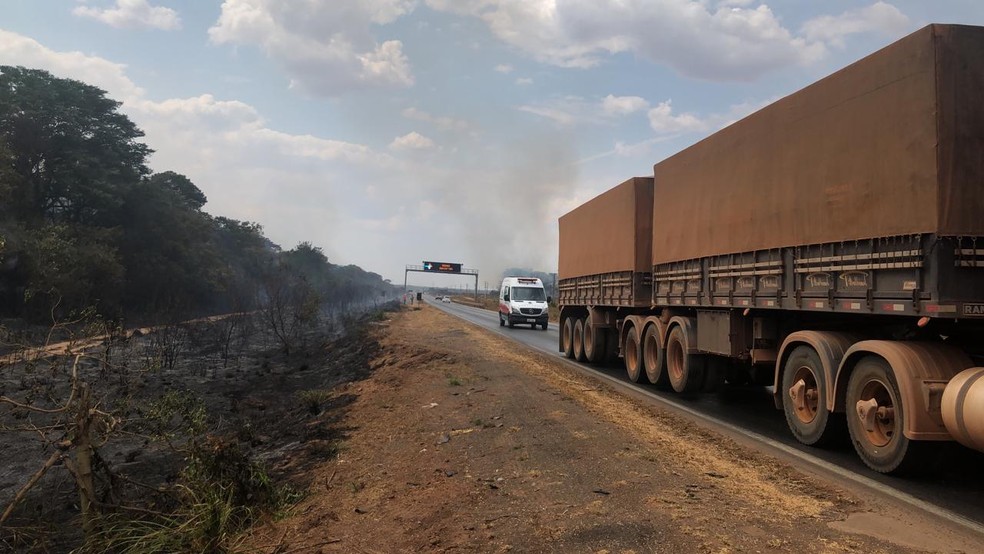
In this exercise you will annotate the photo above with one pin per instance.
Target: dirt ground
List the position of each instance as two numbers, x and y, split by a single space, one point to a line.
458 440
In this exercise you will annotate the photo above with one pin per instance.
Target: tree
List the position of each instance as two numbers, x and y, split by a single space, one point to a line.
72 147
180 185
167 246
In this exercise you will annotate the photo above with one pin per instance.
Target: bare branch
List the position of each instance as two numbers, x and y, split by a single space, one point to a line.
66 406
55 456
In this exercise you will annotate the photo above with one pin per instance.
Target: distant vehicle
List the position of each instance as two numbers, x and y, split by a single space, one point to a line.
522 300
446 300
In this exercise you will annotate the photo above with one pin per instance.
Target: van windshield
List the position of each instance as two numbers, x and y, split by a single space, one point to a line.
528 293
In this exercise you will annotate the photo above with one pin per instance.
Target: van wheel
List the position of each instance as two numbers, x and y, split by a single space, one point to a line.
542 326
501 323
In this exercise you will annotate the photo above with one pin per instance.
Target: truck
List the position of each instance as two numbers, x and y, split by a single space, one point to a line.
829 245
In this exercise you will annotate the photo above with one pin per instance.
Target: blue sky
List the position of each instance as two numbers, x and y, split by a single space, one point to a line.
388 132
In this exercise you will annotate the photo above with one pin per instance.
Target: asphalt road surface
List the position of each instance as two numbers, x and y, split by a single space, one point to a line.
954 492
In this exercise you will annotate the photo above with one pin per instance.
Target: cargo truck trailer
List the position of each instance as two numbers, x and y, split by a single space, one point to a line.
830 245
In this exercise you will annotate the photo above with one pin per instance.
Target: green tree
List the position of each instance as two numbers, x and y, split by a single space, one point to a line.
74 151
167 247
182 186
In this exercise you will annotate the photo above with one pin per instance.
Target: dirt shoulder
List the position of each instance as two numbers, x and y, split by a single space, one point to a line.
460 440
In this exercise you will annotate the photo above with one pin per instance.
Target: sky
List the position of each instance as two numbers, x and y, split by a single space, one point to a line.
389 132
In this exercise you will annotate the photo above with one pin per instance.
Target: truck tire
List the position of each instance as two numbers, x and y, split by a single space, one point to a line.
653 358
567 337
633 355
804 397
543 326
873 391
686 371
594 342
579 340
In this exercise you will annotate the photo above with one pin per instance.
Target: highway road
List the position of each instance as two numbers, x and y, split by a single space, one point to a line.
953 493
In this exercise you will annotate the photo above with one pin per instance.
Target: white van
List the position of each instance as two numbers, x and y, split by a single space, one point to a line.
522 300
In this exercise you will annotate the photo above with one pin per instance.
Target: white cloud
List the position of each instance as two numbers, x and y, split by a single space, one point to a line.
878 17
412 141
664 121
325 47
131 14
623 105
726 42
524 81
111 77
504 68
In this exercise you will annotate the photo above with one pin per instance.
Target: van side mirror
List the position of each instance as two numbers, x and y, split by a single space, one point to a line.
549 300
506 297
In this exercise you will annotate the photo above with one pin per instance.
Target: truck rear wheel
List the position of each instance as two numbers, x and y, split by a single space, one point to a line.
686 371
579 340
594 342
804 388
875 418
653 357
633 355
567 337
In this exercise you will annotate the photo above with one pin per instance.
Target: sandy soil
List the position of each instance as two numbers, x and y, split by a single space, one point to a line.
458 440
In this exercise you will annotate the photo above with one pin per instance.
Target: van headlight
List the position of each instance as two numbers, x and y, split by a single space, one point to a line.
515 310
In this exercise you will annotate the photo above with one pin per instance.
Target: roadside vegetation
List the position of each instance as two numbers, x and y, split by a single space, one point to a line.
153 356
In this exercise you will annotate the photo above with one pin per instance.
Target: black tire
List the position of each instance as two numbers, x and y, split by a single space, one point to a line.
579 340
594 343
653 358
633 355
543 326
883 448
807 414
501 323
685 371
567 337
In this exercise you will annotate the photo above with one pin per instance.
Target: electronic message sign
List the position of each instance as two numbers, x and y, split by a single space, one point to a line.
442 267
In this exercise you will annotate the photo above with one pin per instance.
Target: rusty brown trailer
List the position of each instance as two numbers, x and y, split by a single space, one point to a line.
605 248
888 146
